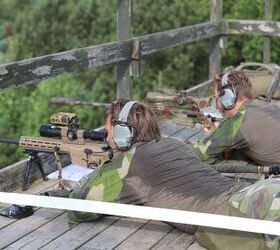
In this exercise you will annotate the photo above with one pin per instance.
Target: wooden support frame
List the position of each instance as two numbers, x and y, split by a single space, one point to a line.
127 51
32 70
267 40
215 55
124 82
249 27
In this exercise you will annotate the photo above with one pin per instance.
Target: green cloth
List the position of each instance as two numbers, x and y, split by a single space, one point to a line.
162 173
224 137
259 201
167 174
253 132
105 184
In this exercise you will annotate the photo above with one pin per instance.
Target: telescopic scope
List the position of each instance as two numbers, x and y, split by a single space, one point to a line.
54 131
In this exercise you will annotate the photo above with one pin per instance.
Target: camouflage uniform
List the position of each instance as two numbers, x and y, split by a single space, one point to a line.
253 131
105 184
259 201
163 174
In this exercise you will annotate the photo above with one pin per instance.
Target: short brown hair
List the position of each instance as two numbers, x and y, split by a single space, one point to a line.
239 81
140 116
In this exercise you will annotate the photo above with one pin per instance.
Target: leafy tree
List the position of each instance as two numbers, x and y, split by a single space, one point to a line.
248 48
32 28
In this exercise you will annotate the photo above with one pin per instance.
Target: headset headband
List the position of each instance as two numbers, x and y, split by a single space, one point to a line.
125 111
225 79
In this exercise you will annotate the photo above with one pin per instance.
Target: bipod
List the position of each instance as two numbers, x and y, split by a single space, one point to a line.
34 161
62 183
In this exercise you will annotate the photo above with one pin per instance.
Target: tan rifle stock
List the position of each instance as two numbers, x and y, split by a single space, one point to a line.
86 154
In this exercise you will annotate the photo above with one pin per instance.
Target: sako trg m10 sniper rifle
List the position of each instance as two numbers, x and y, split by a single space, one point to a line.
63 136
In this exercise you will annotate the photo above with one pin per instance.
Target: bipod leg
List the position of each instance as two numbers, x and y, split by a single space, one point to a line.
39 164
34 160
62 183
25 179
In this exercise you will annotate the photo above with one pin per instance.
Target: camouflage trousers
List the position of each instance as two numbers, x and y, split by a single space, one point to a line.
259 201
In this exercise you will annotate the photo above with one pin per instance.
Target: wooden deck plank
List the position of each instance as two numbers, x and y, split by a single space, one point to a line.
197 136
36 187
22 227
108 239
40 186
168 128
4 221
176 240
43 235
80 234
185 133
146 237
49 229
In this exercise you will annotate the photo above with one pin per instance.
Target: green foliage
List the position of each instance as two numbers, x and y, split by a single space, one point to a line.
30 28
245 48
175 67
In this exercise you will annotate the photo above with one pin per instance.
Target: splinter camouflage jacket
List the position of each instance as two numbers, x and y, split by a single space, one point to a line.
160 174
253 131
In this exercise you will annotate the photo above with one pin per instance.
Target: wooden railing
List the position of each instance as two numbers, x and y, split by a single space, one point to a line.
128 50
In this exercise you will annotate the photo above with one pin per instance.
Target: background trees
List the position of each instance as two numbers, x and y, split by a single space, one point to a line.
30 28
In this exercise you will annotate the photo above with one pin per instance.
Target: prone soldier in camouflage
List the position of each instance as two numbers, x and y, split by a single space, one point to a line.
251 127
163 172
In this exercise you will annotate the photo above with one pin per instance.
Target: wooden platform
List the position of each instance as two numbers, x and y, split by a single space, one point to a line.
49 229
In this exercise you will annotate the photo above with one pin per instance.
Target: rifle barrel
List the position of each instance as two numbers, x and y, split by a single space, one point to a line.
9 140
72 101
271 170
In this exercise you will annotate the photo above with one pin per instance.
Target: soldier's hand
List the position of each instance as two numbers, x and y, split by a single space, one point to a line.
208 129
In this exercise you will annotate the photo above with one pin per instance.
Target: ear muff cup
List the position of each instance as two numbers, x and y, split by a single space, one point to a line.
123 136
227 98
123 133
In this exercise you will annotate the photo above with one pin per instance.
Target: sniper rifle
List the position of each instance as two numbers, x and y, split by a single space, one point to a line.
63 136
73 102
180 107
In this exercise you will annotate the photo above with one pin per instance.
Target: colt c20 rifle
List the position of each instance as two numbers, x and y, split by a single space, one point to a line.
63 136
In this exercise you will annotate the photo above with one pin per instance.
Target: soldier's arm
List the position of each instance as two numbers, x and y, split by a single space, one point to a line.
224 138
104 185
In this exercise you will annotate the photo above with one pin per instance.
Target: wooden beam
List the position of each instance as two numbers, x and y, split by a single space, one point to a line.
215 55
267 40
124 82
32 70
167 39
249 27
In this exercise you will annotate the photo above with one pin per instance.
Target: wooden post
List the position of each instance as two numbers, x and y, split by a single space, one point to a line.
215 55
267 40
124 82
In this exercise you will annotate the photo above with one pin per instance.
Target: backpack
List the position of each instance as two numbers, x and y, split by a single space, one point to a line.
264 78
